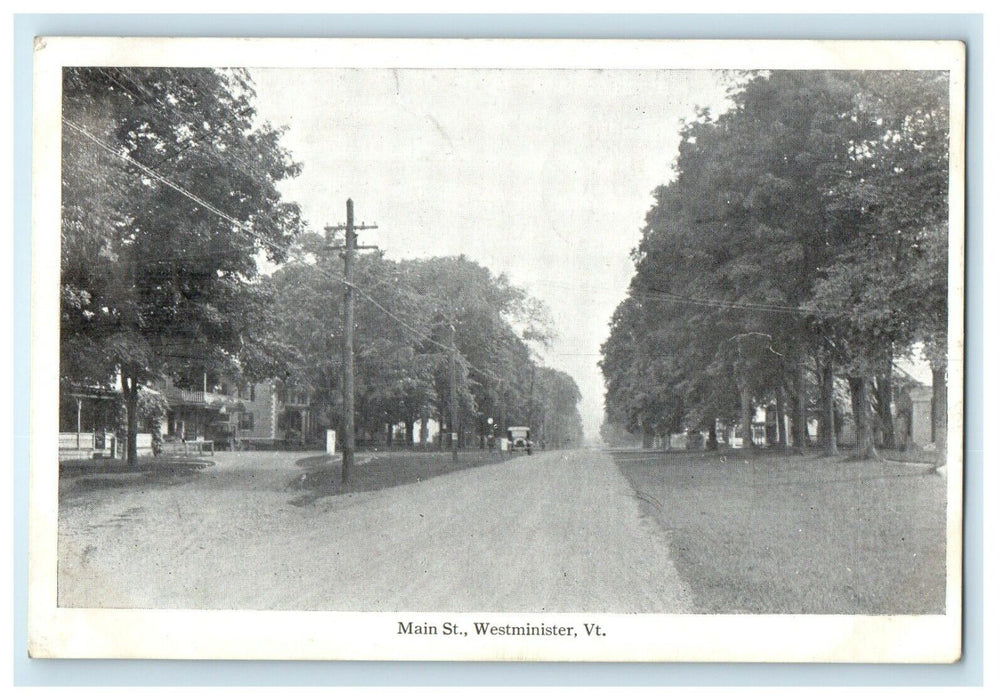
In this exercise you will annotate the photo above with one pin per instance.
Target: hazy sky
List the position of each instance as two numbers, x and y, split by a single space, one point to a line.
543 175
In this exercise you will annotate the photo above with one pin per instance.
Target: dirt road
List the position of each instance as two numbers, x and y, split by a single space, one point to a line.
558 532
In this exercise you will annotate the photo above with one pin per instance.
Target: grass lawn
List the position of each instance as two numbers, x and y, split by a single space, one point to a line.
308 478
79 477
380 470
78 467
767 533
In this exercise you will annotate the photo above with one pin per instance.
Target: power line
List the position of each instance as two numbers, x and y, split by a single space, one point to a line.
662 295
160 103
153 100
201 202
160 178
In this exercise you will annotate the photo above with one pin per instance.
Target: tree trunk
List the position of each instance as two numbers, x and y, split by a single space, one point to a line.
647 437
883 395
441 420
130 391
423 431
829 427
939 412
713 434
798 410
863 425
782 426
747 418
390 434
409 431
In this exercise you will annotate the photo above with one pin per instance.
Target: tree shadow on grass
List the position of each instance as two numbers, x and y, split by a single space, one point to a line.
322 475
84 477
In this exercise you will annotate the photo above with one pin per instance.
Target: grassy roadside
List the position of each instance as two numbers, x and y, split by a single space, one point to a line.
79 467
78 478
764 533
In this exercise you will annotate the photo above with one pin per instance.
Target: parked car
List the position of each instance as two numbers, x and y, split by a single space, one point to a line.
519 439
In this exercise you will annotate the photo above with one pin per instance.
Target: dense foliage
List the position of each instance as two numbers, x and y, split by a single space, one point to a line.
803 237
404 316
154 283
170 202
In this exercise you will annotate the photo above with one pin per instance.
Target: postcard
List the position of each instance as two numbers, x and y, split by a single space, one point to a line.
546 350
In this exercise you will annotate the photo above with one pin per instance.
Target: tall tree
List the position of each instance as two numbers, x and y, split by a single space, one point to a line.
169 195
403 342
789 236
732 246
555 419
886 288
495 323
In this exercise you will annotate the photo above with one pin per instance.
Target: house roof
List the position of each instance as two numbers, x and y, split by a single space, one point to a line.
912 371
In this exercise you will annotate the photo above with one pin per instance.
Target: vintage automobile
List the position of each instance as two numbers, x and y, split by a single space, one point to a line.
519 439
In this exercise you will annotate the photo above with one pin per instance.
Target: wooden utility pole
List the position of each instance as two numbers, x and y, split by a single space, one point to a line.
543 426
348 365
533 379
453 391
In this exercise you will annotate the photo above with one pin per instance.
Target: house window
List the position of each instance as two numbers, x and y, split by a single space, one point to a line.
247 421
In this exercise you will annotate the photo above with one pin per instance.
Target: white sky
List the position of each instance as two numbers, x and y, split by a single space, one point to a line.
543 175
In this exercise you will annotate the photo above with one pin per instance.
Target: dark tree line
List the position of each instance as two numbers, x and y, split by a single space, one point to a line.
802 240
404 341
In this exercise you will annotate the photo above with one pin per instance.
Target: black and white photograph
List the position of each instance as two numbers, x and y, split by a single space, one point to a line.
487 350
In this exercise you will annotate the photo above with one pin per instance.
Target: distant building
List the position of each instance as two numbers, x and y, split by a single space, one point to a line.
911 410
87 420
230 414
241 415
209 413
915 424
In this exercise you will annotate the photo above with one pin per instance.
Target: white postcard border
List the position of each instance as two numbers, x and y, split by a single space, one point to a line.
91 633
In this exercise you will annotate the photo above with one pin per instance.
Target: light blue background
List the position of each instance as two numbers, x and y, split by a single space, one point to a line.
968 28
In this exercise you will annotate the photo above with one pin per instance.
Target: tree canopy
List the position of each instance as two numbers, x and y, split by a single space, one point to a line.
410 317
805 229
169 197
171 200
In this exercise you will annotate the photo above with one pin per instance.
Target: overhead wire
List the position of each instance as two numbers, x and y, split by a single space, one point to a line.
240 225
662 295
156 102
651 293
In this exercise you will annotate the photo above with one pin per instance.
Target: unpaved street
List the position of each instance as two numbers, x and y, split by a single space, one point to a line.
557 532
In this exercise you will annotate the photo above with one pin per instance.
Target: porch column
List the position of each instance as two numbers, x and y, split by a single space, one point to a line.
79 402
